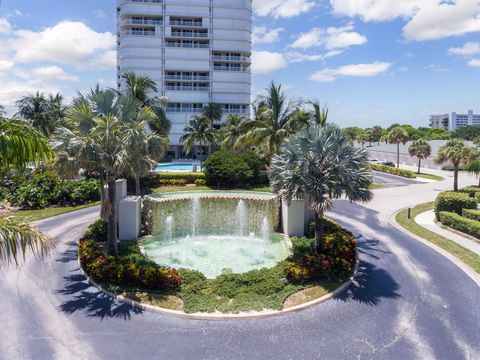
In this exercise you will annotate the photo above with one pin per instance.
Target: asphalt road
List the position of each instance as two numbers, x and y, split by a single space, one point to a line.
392 180
408 302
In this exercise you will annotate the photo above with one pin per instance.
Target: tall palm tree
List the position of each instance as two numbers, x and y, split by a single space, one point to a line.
456 152
99 123
3 113
420 149
144 148
139 87
213 112
231 131
321 164
319 114
397 136
377 134
198 132
474 167
20 144
43 112
277 119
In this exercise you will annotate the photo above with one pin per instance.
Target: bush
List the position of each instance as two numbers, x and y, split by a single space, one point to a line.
471 190
477 197
302 247
471 214
173 182
394 171
231 170
453 202
80 192
200 182
457 222
155 180
330 226
98 231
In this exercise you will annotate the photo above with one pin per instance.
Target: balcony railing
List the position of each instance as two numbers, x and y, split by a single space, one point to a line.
187 88
184 110
145 1
143 22
185 23
231 58
186 45
189 35
227 68
187 77
140 33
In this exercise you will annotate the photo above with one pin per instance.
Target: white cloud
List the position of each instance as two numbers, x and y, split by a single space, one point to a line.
99 13
474 63
39 74
426 19
5 27
264 62
71 43
469 48
6 65
282 8
264 35
356 70
330 38
437 68
297 57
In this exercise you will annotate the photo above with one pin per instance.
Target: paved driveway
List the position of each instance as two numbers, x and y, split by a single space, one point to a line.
408 302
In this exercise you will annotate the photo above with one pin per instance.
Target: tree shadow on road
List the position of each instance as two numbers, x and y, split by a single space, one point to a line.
84 297
70 255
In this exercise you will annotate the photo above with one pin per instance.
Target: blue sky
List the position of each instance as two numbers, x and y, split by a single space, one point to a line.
372 61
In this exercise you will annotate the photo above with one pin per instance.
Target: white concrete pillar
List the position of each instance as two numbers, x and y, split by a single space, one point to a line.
129 218
120 191
293 218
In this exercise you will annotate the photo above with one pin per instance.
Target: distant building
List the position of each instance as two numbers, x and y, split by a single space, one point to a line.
461 120
440 121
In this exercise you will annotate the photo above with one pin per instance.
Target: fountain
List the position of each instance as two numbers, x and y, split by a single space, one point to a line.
215 233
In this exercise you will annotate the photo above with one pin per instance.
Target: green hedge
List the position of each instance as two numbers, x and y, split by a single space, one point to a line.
453 202
394 171
457 222
156 180
471 190
477 197
471 214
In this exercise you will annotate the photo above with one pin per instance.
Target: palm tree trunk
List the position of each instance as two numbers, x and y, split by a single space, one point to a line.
319 230
419 164
398 155
137 185
455 177
112 217
278 214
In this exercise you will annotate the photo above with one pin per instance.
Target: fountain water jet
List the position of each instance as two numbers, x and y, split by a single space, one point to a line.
265 229
169 228
241 214
196 212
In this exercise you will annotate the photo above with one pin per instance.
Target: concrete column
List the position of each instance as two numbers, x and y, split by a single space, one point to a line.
121 191
293 217
129 218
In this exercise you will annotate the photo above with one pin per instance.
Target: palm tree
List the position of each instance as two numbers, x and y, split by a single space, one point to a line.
456 152
377 134
397 136
321 164
139 87
277 118
20 144
3 113
319 115
421 149
213 112
43 112
198 132
144 148
99 123
231 131
474 167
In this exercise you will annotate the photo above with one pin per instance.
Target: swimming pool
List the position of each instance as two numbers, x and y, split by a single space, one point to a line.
172 167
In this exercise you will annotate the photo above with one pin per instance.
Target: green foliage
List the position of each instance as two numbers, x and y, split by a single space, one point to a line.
468 133
228 169
79 192
156 180
173 182
329 227
97 231
460 223
200 182
394 171
471 214
454 202
471 190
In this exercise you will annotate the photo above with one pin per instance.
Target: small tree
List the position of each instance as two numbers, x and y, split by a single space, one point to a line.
320 163
397 136
456 152
377 134
420 149
198 132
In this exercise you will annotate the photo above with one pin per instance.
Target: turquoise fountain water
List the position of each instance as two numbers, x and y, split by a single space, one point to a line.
214 234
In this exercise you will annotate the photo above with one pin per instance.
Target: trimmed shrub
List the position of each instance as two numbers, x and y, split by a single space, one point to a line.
173 182
457 222
394 171
38 193
477 197
471 214
98 231
302 247
80 191
453 202
156 180
200 182
471 190
230 170
330 226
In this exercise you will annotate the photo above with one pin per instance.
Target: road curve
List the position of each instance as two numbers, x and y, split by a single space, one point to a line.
408 302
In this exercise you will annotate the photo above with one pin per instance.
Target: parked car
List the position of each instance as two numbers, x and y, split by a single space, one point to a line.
387 163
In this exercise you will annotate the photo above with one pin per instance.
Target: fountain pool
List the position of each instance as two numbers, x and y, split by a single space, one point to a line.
214 232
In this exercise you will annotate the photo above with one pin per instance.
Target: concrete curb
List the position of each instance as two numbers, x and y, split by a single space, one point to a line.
221 316
460 264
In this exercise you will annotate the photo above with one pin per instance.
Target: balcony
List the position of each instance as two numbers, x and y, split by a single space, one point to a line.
229 68
189 34
187 77
158 22
140 32
231 58
143 1
185 23
187 88
188 45
185 110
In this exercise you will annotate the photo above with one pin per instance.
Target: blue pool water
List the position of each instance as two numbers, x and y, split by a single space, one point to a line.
186 167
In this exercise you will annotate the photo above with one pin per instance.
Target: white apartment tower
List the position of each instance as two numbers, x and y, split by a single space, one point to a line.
198 52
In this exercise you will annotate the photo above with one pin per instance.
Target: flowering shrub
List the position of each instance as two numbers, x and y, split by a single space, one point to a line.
200 182
128 271
172 182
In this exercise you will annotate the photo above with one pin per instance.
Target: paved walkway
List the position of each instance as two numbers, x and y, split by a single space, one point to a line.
427 220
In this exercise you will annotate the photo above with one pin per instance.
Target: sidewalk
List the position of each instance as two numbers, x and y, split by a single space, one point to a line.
427 220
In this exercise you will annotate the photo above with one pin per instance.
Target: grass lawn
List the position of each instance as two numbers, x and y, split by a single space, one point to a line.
430 177
375 186
465 255
36 215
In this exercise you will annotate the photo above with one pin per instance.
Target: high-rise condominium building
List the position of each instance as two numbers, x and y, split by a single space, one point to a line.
198 52
440 121
462 120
